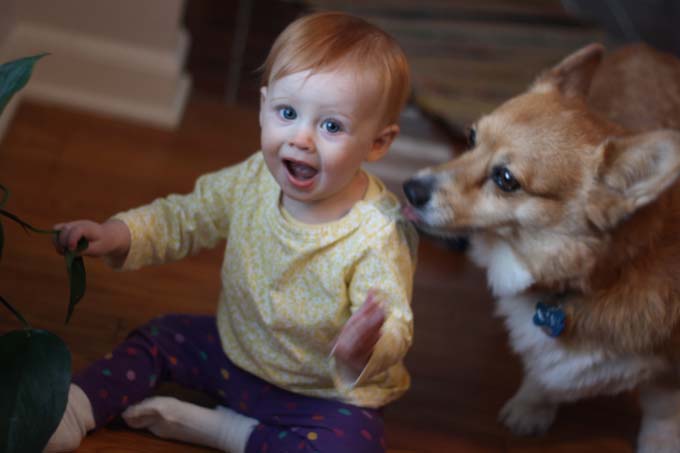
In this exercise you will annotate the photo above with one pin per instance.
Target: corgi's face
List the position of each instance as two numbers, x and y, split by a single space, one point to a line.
545 176
527 168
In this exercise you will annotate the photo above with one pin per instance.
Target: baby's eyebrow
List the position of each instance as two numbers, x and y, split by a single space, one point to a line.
344 117
280 99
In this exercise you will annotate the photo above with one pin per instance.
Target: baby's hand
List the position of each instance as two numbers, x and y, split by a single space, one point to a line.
355 343
110 238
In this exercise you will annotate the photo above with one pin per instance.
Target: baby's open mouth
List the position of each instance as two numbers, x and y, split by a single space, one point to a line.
299 170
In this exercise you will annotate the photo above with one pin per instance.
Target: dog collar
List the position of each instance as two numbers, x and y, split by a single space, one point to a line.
550 318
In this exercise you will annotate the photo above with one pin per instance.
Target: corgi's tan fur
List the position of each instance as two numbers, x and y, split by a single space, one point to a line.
570 196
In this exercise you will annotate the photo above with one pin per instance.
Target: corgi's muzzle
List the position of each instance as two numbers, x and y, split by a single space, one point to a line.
418 191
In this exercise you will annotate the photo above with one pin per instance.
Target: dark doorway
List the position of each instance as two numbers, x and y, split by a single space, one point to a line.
230 40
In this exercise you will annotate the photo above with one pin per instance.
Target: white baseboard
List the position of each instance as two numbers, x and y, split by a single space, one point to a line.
159 115
109 77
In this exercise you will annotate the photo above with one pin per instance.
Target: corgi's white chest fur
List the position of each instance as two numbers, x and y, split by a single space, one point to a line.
567 374
505 275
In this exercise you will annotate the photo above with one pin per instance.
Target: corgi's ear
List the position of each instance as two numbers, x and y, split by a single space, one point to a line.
382 142
632 172
572 76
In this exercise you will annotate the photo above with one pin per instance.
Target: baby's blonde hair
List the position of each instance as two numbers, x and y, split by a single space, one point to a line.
331 40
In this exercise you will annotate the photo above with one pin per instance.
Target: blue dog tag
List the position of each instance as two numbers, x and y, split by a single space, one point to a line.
550 318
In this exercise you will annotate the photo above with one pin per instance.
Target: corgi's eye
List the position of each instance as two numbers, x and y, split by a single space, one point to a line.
504 179
472 138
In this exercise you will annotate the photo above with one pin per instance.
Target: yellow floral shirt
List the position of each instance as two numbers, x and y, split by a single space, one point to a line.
288 287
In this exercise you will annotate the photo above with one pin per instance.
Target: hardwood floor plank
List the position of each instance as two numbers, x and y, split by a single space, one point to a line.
62 164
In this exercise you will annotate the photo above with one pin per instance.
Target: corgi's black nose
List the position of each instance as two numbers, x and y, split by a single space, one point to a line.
418 190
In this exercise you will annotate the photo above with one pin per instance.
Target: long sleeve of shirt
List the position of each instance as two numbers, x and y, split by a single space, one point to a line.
288 288
170 228
386 269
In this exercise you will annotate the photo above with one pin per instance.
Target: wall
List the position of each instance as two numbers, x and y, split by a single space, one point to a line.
7 7
124 58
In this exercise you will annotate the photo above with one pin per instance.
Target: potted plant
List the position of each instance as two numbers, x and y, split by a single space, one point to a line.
35 364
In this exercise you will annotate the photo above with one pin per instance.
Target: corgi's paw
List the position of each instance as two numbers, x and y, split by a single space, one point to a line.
659 436
527 418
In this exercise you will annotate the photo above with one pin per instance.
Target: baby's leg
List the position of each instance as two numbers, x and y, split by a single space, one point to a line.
286 421
75 423
220 428
172 347
291 422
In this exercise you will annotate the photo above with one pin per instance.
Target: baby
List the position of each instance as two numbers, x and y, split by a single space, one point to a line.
314 317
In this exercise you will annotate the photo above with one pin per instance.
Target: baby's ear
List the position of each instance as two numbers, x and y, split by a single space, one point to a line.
263 98
632 172
382 143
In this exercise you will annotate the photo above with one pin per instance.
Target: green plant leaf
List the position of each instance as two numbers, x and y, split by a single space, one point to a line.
5 195
14 75
76 273
25 225
34 383
15 312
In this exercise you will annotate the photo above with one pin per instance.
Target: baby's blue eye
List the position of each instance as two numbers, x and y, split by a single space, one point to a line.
331 126
288 113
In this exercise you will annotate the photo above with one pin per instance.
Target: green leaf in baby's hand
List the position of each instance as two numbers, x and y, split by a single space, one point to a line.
14 75
76 273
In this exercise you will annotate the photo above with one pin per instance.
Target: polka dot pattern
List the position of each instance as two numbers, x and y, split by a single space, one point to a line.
287 422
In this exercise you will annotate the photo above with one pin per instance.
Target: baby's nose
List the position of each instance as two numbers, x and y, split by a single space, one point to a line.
302 138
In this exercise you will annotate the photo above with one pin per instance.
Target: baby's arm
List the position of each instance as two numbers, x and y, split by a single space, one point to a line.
374 339
380 330
110 239
358 337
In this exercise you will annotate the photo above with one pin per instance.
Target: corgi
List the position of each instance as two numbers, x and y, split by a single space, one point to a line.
570 199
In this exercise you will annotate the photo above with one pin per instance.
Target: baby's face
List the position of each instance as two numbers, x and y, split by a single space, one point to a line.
316 132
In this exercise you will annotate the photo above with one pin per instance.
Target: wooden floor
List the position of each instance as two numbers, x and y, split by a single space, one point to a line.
62 165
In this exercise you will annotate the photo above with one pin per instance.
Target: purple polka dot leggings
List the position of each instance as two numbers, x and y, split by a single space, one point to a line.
186 349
